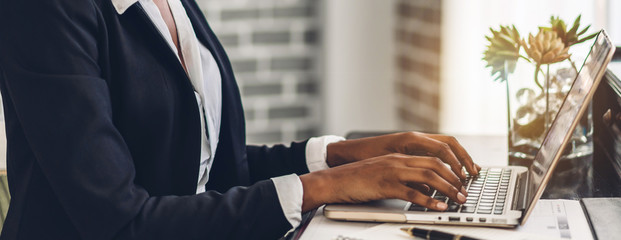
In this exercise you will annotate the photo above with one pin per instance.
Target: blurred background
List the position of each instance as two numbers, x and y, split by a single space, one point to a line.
310 67
314 67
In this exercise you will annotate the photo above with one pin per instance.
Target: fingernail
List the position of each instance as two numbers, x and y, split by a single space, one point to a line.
461 197
442 205
463 191
463 173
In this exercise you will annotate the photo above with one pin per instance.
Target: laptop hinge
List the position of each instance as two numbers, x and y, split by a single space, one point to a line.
521 192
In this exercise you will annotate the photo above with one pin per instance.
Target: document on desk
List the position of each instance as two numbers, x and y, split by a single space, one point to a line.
551 219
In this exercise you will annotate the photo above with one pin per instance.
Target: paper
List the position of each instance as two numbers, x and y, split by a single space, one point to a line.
551 219
562 218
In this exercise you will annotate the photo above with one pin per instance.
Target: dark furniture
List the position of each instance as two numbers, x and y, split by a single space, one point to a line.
607 118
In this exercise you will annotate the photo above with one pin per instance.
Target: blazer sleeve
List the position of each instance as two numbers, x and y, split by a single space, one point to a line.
50 65
266 162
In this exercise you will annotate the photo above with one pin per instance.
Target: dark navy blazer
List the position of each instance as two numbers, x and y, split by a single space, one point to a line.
103 132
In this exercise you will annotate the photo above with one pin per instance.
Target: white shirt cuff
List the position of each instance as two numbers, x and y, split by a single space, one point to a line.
317 151
290 194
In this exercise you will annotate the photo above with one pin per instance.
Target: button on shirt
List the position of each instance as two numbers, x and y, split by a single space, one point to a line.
204 74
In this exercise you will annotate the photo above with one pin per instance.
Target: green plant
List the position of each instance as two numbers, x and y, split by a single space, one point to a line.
503 48
545 48
571 36
550 45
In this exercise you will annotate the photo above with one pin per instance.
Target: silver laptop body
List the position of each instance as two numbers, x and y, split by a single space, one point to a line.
509 192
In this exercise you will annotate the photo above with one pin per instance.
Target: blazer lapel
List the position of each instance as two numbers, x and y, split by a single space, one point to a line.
163 45
232 129
131 12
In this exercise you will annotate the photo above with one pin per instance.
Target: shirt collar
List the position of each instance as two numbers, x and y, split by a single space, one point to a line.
122 5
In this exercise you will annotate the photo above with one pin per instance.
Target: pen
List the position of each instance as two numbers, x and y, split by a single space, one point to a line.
434 235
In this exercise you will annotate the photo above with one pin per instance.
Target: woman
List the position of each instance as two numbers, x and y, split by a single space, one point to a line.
124 121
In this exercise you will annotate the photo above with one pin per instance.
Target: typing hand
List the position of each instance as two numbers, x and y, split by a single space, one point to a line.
389 176
446 148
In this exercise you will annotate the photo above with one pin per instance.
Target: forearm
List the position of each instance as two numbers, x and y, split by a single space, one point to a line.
344 152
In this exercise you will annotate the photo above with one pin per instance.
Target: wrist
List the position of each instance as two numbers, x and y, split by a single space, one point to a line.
316 190
334 154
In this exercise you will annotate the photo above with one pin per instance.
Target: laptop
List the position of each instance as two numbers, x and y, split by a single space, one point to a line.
499 196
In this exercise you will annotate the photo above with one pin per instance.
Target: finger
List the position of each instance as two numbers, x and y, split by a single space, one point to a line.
436 165
412 195
431 178
423 188
459 151
441 150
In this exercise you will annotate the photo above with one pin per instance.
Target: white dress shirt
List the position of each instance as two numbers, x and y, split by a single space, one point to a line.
205 76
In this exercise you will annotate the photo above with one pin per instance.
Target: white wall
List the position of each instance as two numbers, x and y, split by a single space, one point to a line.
471 102
614 21
359 65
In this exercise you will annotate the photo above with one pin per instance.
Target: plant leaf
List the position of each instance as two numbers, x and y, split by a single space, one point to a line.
576 23
584 30
587 38
573 30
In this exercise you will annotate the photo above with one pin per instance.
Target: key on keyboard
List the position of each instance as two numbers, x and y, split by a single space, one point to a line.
486 193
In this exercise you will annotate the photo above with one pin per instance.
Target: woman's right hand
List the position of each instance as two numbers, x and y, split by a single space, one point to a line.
390 176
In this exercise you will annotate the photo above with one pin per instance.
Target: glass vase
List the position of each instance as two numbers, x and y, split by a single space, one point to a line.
534 96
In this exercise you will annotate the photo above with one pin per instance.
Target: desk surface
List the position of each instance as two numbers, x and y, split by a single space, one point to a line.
593 180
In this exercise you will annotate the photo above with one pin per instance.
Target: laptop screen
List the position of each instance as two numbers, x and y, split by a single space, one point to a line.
563 126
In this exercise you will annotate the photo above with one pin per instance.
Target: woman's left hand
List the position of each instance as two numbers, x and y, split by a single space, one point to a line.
446 148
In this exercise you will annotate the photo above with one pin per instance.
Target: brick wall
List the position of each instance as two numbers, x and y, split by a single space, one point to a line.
418 61
274 49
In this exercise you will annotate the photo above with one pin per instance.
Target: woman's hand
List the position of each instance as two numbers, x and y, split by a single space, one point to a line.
389 176
443 147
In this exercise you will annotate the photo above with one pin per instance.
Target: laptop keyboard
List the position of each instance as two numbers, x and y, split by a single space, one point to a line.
487 193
